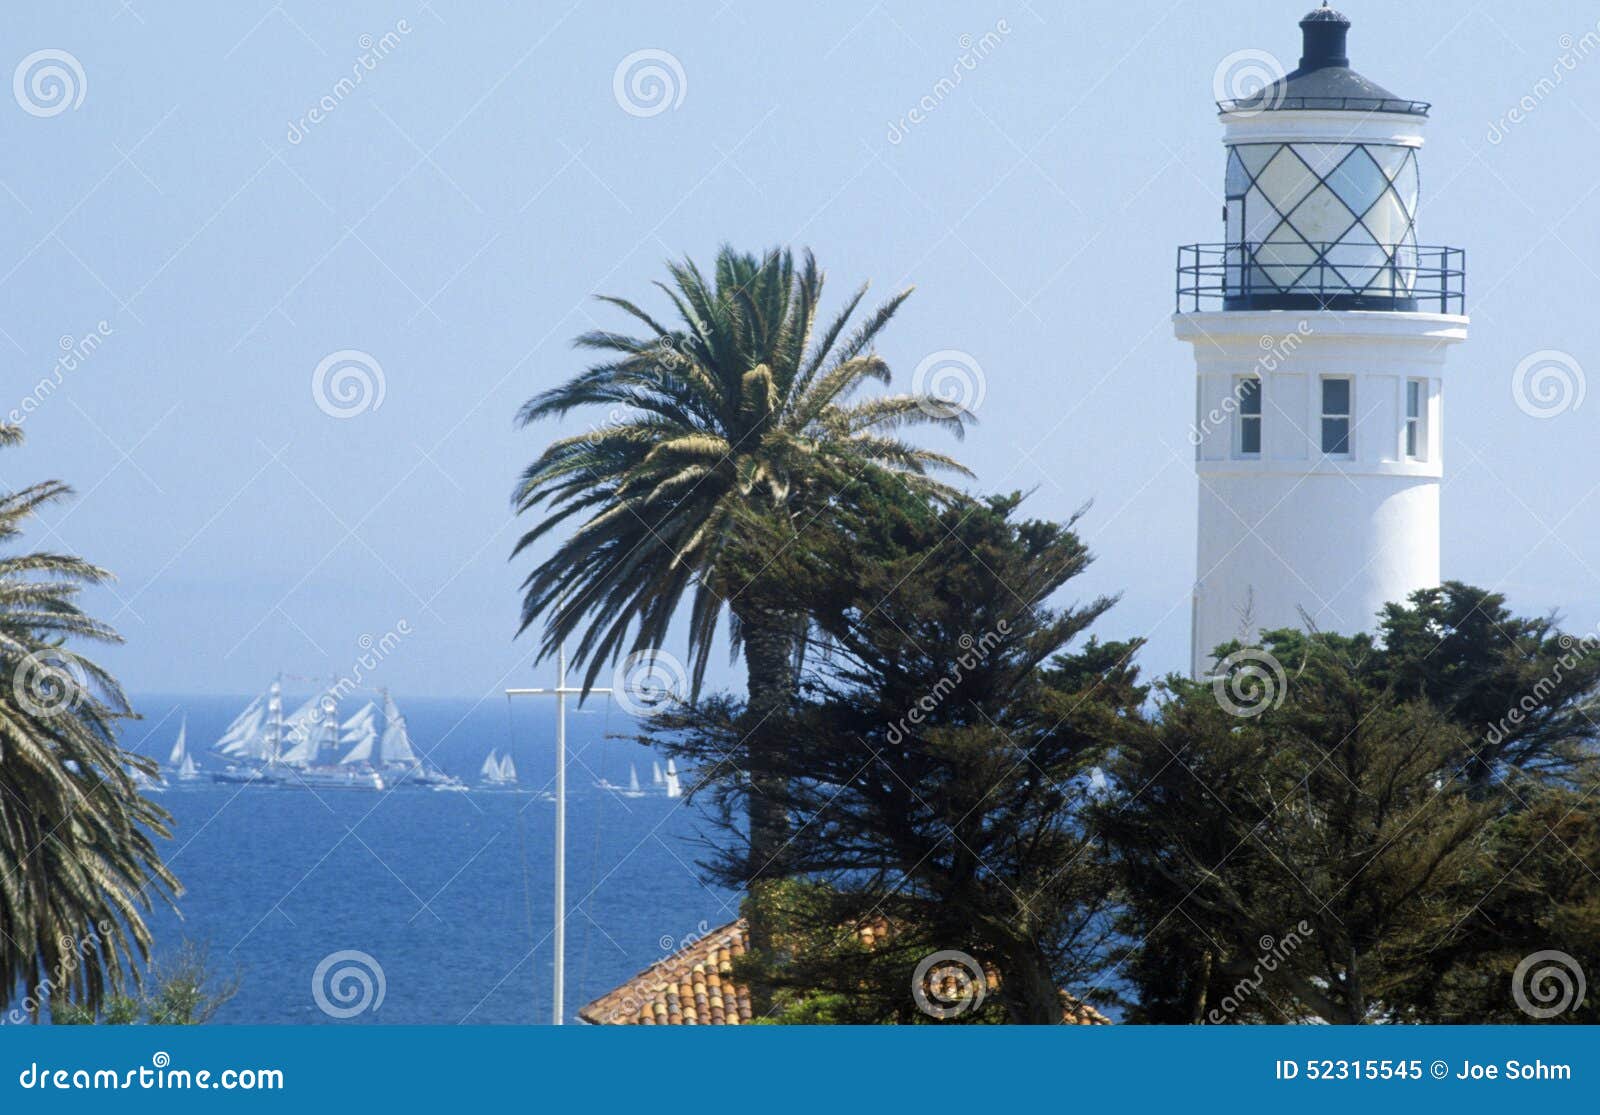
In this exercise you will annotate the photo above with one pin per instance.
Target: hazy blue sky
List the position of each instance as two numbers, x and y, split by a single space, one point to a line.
452 215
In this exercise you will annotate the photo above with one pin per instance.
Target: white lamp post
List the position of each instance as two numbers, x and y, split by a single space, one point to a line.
560 692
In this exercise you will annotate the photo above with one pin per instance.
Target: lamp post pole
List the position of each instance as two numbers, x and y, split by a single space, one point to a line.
560 693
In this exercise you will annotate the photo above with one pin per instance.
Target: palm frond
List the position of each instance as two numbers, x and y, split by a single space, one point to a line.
742 407
78 863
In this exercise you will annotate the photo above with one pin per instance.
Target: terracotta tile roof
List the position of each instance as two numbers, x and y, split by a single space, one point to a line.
692 987
1075 1012
695 987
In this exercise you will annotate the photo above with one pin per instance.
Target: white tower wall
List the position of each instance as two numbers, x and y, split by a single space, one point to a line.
1291 535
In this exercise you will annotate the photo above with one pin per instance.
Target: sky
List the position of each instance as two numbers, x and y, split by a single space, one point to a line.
205 250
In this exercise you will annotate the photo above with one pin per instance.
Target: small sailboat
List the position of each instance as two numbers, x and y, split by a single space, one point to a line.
631 790
656 777
674 788
498 772
179 761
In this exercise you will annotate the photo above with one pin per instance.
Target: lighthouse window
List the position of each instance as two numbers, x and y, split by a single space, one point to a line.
1247 389
1414 435
1336 416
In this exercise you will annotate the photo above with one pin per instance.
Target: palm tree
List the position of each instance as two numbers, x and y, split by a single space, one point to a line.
726 431
77 858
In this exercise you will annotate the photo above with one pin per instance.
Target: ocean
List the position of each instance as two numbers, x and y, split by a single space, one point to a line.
448 895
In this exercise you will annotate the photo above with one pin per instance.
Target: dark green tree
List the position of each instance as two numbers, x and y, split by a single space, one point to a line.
1528 692
938 762
1390 795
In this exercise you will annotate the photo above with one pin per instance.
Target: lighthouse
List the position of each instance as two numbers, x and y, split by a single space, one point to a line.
1320 327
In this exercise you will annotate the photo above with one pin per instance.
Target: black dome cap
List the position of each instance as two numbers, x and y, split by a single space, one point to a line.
1324 33
1325 79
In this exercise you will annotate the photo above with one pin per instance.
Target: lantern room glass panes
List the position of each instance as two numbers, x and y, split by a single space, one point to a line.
1286 181
1358 181
1328 217
1238 180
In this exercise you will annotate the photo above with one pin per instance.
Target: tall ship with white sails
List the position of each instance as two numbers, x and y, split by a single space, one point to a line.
311 748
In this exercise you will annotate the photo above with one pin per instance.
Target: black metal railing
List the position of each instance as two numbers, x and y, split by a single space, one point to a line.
1261 277
1266 102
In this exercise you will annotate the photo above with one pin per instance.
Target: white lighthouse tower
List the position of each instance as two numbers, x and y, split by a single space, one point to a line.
1320 329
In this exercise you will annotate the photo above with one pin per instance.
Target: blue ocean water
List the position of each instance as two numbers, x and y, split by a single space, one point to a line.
450 894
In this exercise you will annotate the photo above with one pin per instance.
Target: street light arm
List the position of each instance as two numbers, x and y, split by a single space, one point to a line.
561 689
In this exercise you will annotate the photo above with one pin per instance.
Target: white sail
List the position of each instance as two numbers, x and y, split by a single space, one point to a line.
300 733
365 717
236 740
188 769
180 748
312 729
508 769
491 767
271 739
633 779
396 747
359 733
363 739
327 727
655 773
257 732
674 790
